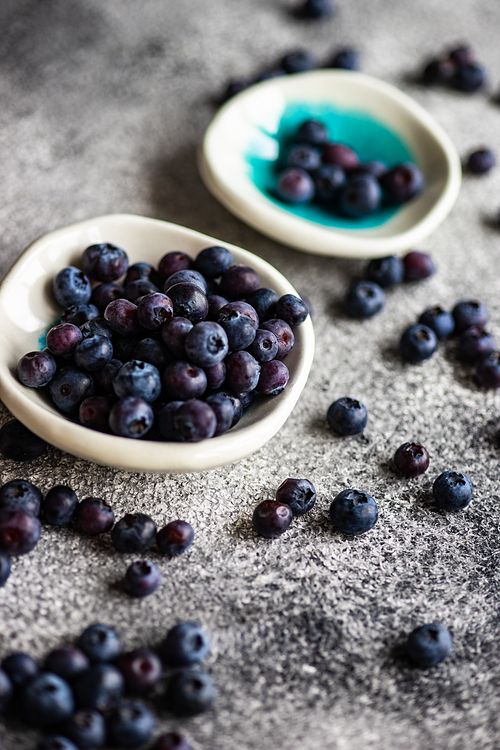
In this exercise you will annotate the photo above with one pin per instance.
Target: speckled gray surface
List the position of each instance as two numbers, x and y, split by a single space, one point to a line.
103 103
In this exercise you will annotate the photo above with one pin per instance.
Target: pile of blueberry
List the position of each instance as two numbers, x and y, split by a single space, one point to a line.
313 168
457 67
22 504
367 297
86 695
173 353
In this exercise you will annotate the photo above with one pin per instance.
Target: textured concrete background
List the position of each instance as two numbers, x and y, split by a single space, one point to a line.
103 103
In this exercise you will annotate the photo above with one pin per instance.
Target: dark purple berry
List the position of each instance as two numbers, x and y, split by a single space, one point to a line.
224 409
195 420
136 290
469 77
313 132
488 371
481 161
299 494
59 506
347 416
86 728
94 516
469 313
63 338
100 643
291 309
264 347
103 294
295 185
104 262
239 281
142 578
121 315
20 668
141 271
67 662
402 182
340 155
298 62
328 180
272 518
46 699
438 71
172 262
135 532
19 531
385 272
303 156
71 287
206 344
183 380
283 333
130 725
475 342
212 262
5 568
188 301
174 335
137 378
94 412
36 369
19 494
452 490
153 310
439 320
273 378
69 387
131 417
154 352
360 196
141 669
77 315
93 353
172 741
417 266
216 375
242 372
99 688
411 459
175 538
186 276
17 443
263 300
347 58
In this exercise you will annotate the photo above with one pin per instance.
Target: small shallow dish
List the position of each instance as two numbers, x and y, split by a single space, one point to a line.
27 310
244 134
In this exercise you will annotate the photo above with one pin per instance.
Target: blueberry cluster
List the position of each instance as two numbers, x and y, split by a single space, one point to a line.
367 297
86 694
313 168
173 353
299 60
294 497
457 67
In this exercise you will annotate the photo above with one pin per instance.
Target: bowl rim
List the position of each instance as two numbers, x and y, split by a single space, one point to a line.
280 224
148 455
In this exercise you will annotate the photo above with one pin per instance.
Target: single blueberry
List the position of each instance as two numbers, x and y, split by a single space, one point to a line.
138 289
185 644
347 416
131 417
17 443
20 668
360 196
314 9
62 339
475 342
403 182
239 281
303 156
385 272
94 516
298 62
263 300
347 58
488 370
206 344
67 662
136 378
93 353
142 578
295 186
283 333
86 728
299 494
354 512
46 699
78 315
429 645
437 70
121 316
452 490
21 494
59 505
272 518
418 266
341 155
104 262
172 262
176 537
439 320
190 692
418 343
469 312
19 531
153 310
99 688
130 725
273 378
94 412
141 669
195 420
291 309
135 532
242 372
364 299
36 369
189 301
69 388
328 181
100 643
411 459
212 262
313 132
480 161
71 287
469 77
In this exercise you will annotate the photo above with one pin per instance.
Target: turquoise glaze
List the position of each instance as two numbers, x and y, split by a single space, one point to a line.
368 137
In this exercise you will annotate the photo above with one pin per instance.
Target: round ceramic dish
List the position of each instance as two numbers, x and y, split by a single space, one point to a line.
27 310
246 128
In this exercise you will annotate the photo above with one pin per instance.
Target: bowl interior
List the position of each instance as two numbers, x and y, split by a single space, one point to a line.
241 145
28 310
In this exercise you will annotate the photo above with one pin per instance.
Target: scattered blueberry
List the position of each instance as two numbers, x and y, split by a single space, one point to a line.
429 645
185 644
272 518
418 343
488 370
141 669
452 490
347 416
385 272
19 531
176 537
347 58
130 725
59 505
172 741
470 312
94 516
190 692
480 161
364 299
17 443
135 532
469 77
475 342
299 494
411 459
439 320
100 643
99 688
298 62
417 266
315 9
67 662
21 494
354 512
142 578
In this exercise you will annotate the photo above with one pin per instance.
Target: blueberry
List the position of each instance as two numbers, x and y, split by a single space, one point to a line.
341 155
141 670
186 276
417 266
264 347
418 343
71 287
299 494
438 70
298 62
239 281
135 532
263 300
488 370
62 339
411 459
188 301
469 77
176 537
130 724
452 490
347 58
172 262
354 512
291 309
272 518
96 326
138 289
273 378
216 375
239 328
328 181
174 334
56 742
17 443
470 312
103 294
242 372
20 668
104 262
375 167
21 494
153 310
94 516
215 304
137 378
480 161
86 728
67 662
385 272
403 182
190 692
19 531
195 420
429 645
131 417
313 132
93 353
77 315
172 741
36 369
153 351
212 262
142 578
166 423
46 699
141 270
347 416
283 333
94 412
360 196
475 342
314 9
5 690
463 54
59 505
100 643
103 379
183 380
439 320
224 410
99 688
121 316
69 387
295 186
206 344
364 299
5 568
303 156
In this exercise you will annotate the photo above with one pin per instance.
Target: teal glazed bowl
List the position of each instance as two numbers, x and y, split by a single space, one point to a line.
240 147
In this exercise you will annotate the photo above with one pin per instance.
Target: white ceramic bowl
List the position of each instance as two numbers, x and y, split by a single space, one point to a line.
249 122
27 310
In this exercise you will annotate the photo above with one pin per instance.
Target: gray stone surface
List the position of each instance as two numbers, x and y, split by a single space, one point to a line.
103 104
